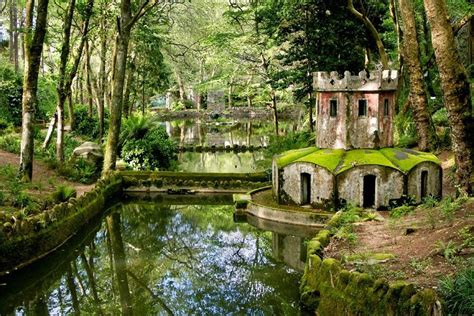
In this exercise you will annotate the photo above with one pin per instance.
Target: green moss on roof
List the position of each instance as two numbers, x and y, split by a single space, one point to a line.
363 157
326 158
339 160
290 156
406 159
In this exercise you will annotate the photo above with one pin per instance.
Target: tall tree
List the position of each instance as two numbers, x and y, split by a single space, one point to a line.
456 91
411 54
373 32
125 23
34 33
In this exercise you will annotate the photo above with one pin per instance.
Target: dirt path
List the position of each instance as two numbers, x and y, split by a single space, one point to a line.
42 174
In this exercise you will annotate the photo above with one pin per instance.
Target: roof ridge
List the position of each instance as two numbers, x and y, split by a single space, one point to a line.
381 150
336 170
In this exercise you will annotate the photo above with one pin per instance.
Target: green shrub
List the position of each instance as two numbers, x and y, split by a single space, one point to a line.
401 211
63 193
440 117
88 126
10 143
458 293
290 141
145 145
10 94
407 141
79 170
21 200
154 151
182 105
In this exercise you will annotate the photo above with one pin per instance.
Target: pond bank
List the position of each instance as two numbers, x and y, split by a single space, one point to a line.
329 289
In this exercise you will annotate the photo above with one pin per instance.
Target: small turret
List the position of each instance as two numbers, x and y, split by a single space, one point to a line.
355 111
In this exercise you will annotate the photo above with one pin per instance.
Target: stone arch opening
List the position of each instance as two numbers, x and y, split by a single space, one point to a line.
305 188
369 190
424 184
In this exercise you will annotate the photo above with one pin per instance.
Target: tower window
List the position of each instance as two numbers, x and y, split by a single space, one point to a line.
362 107
333 108
386 108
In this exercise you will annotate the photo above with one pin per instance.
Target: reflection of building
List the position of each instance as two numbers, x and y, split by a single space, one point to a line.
289 249
354 119
288 241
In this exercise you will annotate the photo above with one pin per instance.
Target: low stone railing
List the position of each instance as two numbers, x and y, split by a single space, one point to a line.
24 240
329 289
228 148
162 181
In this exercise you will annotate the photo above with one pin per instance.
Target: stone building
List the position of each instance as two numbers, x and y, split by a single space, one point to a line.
353 161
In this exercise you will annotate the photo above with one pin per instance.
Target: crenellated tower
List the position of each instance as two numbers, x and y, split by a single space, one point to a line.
355 111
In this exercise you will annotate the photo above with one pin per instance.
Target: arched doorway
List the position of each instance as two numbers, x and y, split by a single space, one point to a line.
369 191
424 184
305 188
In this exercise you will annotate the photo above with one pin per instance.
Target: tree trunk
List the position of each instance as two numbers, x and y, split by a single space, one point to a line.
88 79
33 41
456 91
373 32
120 263
182 90
418 100
275 112
118 82
128 88
66 79
61 88
102 78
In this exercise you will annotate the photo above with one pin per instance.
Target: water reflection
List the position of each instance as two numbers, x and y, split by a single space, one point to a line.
162 259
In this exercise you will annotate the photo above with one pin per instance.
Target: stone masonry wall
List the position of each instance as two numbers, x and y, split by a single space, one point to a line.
389 184
322 183
433 183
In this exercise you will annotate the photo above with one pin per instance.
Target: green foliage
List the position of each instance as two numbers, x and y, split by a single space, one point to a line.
447 250
86 125
10 143
182 105
79 170
440 118
21 199
144 144
429 202
63 193
10 94
401 211
458 293
290 141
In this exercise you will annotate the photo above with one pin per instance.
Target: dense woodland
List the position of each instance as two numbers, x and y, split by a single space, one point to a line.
88 65
73 71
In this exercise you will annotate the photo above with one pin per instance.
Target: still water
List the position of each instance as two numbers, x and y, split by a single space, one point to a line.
220 134
166 257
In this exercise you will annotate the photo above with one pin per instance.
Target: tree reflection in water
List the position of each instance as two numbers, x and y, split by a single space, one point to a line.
162 259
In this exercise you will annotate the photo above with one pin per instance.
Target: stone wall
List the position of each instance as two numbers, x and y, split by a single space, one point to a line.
434 180
322 184
389 184
23 241
328 289
151 181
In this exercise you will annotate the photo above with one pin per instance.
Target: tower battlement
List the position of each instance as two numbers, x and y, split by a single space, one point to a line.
385 80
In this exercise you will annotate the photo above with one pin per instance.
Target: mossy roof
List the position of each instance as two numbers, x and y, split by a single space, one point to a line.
338 160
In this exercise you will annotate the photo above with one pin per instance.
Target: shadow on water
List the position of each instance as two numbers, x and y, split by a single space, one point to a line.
166 255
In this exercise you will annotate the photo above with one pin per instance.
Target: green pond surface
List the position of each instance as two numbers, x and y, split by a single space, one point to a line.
181 256
221 133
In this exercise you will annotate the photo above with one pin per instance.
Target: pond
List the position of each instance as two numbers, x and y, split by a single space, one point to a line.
221 133
168 256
